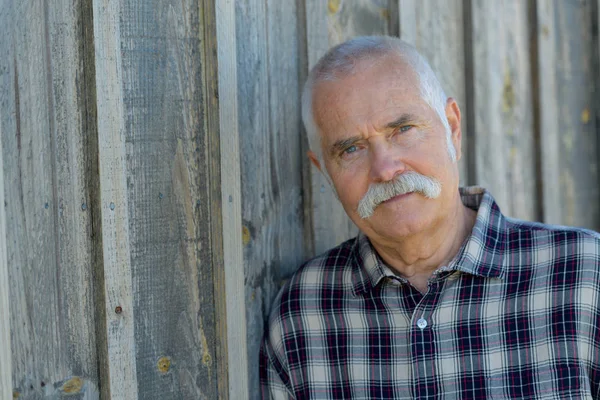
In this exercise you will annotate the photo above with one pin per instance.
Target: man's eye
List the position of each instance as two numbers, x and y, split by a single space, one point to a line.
405 128
350 149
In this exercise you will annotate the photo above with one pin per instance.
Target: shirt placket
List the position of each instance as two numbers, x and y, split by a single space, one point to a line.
424 344
400 321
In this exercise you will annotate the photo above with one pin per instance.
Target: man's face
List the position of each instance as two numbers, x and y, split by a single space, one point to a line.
375 126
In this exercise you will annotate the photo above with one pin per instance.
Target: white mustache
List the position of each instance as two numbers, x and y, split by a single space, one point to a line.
407 182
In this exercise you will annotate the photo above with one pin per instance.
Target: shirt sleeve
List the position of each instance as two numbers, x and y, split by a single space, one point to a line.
272 375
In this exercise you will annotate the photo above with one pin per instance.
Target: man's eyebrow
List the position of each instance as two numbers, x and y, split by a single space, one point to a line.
342 144
403 120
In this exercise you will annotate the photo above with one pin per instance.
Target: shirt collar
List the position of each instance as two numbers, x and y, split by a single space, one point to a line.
482 253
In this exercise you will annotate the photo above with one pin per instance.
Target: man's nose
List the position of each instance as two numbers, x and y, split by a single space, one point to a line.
386 162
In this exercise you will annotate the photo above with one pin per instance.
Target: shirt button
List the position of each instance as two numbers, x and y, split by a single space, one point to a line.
421 323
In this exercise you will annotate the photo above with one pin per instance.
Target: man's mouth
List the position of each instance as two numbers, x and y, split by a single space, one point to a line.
398 197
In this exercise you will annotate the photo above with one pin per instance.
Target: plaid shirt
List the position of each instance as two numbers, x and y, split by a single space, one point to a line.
516 315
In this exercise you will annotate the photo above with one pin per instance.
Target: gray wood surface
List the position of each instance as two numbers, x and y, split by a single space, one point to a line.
327 24
230 187
271 158
227 269
568 130
116 341
48 231
436 29
6 390
502 101
158 163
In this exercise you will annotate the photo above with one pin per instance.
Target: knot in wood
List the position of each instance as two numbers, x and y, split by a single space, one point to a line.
164 364
73 385
246 235
207 359
334 6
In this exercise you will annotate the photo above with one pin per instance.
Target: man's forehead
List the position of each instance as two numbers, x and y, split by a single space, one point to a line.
378 101
389 74
372 97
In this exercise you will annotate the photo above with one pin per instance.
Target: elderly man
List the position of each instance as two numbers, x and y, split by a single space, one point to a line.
440 295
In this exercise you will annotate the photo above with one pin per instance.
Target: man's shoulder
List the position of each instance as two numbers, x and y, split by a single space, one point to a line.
327 274
332 267
498 226
555 240
517 226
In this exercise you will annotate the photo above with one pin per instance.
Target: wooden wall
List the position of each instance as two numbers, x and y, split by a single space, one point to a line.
48 158
112 197
154 180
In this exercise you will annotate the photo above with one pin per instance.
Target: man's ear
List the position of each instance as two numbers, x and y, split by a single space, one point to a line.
454 117
314 160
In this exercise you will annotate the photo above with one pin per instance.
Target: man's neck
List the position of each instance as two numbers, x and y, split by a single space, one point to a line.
415 258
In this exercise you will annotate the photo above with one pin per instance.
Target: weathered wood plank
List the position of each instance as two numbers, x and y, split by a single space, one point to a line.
327 24
569 141
502 105
5 354
6 387
156 50
116 333
271 163
232 201
74 178
45 164
596 38
215 194
436 29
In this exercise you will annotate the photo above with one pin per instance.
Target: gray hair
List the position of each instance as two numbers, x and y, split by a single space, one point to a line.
341 61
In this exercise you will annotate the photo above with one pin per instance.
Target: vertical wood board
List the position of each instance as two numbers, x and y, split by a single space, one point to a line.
596 38
502 101
166 170
271 158
212 129
436 29
6 386
116 335
237 350
569 141
46 165
5 353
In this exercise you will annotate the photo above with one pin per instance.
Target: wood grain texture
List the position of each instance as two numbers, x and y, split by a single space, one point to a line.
160 170
6 390
327 24
232 201
569 140
45 164
212 129
271 158
436 29
117 342
502 101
